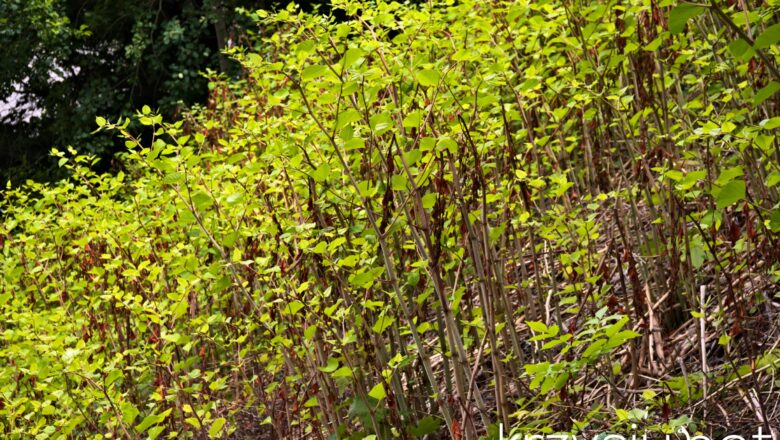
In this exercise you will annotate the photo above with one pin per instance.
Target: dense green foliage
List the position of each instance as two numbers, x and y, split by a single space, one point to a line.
420 220
64 61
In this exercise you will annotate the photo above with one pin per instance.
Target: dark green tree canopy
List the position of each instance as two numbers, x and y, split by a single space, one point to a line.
66 61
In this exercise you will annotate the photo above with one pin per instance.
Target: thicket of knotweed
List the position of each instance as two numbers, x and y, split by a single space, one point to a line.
420 220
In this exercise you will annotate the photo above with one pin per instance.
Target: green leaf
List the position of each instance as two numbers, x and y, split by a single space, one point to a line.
691 179
763 141
153 433
730 193
594 349
348 261
362 409
767 38
429 200
463 55
411 157
315 71
413 119
254 60
766 92
535 369
448 144
333 365
305 47
741 50
216 427
618 339
537 327
366 278
354 144
769 124
382 323
177 338
697 256
347 117
548 384
101 121
321 173
653 45
352 56
773 179
427 425
381 122
202 200
235 198
320 248
238 157
149 421
129 412
428 77
680 15
378 392
398 182
172 178
343 372
293 307
112 377
774 220
728 175
614 328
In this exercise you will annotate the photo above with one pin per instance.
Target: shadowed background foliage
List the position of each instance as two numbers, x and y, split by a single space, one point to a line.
65 61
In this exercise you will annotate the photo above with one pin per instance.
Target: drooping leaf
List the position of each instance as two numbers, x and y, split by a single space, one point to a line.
741 50
148 421
680 14
728 175
730 193
766 92
333 365
767 38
